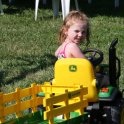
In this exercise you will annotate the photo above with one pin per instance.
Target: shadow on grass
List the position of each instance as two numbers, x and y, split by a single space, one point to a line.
1 77
43 62
18 6
97 7
102 7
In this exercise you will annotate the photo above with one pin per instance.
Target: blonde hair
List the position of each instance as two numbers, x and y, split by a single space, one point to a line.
69 20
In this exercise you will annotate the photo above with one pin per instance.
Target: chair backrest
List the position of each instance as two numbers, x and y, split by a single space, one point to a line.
76 71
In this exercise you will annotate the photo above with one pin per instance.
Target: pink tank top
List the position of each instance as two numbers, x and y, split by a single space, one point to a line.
61 54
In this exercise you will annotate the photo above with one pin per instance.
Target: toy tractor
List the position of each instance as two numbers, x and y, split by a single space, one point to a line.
105 100
83 91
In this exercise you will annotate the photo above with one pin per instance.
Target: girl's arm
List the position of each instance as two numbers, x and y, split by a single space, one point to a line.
57 51
75 51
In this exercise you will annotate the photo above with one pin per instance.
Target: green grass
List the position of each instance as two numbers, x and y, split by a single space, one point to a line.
27 46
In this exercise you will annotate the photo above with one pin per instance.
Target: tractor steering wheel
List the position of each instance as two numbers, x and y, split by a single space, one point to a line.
95 56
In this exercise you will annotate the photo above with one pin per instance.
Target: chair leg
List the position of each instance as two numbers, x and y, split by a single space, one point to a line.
1 8
76 4
65 7
89 1
55 5
11 1
116 3
44 2
36 8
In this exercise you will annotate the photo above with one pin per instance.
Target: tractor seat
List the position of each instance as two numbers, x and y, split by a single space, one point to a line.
76 71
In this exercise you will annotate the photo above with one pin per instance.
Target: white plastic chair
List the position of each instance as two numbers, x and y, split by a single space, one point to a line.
1 8
55 4
66 7
36 7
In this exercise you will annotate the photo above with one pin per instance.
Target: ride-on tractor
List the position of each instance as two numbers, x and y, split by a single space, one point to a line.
106 102
83 91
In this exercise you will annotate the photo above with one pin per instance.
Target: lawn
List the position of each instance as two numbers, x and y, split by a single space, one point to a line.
27 47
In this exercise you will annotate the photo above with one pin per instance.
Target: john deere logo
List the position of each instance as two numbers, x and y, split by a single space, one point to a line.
73 68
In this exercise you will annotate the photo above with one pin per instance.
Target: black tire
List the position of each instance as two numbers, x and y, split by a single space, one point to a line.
114 114
95 117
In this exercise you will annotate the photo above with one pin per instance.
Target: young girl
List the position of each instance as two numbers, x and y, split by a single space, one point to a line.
74 31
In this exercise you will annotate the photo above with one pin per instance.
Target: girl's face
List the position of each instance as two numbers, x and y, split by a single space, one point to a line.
76 32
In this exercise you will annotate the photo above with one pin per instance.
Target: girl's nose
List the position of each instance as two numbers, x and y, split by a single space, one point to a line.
80 34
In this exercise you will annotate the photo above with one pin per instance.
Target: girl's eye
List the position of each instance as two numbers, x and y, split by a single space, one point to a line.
76 31
83 32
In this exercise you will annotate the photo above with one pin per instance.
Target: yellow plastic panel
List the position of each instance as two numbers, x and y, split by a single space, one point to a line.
76 71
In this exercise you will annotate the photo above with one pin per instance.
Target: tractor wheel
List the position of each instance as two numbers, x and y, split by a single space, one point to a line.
95 117
115 114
